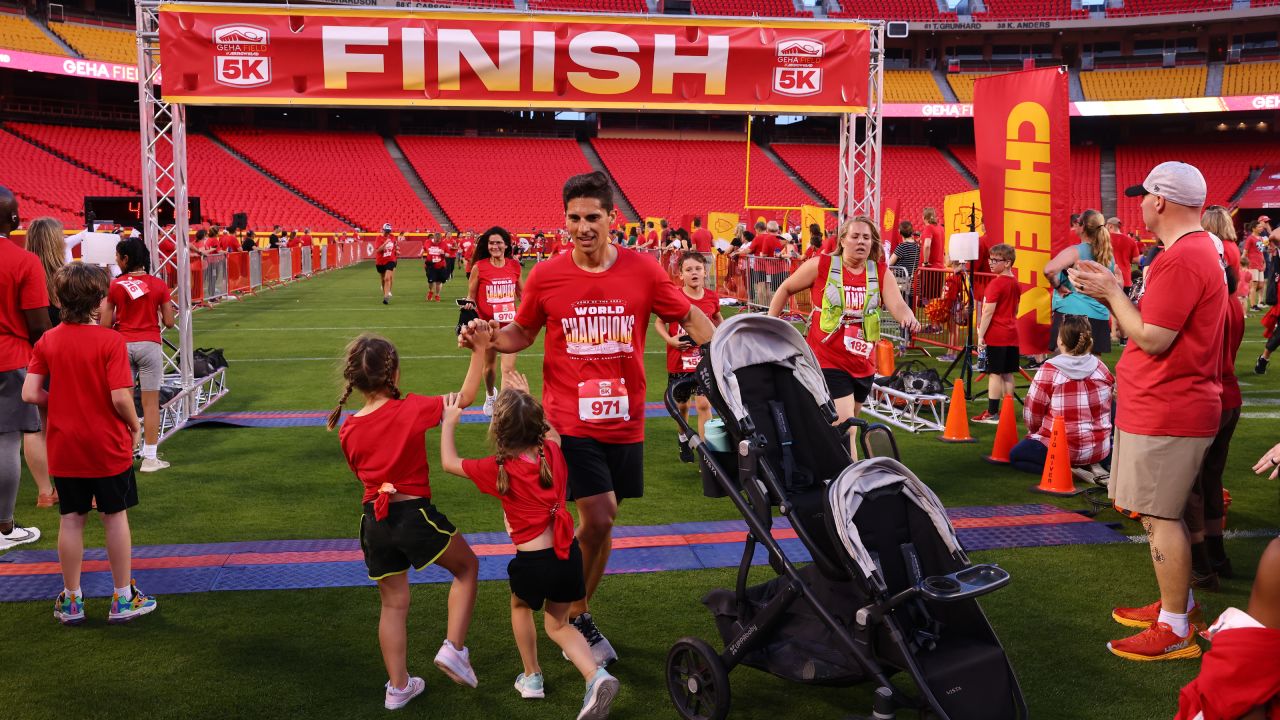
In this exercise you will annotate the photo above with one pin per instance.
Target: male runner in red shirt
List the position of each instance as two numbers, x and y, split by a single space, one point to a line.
596 304
702 239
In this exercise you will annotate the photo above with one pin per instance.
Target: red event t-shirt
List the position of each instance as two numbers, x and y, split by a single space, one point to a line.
766 244
22 287
687 361
566 246
1254 253
467 246
387 250
496 293
846 350
389 445
1234 334
1125 250
1179 392
702 240
451 248
938 246
433 253
85 436
593 369
1003 290
528 507
138 300
229 244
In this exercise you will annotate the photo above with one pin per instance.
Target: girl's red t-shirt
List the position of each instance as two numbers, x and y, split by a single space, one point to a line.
138 300
528 506
496 293
389 445
846 349
679 361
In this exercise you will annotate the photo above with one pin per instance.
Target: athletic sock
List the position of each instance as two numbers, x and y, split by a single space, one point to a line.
684 439
1200 564
125 593
148 452
1217 552
1176 621
77 593
993 407
1191 599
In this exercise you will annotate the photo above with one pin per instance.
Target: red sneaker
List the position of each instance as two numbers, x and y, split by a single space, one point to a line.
1146 616
986 418
1158 642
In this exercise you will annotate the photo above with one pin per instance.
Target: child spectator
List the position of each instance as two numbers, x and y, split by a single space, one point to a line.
683 355
91 434
136 305
528 474
998 330
955 299
385 446
1077 386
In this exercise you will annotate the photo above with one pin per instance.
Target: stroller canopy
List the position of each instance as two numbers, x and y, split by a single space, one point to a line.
847 492
748 339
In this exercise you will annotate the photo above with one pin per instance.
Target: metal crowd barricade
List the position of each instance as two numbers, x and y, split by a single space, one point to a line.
285 268
305 264
946 326
323 254
763 275
255 269
913 413
215 277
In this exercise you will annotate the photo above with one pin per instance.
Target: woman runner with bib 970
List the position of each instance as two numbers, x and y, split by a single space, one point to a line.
849 289
494 288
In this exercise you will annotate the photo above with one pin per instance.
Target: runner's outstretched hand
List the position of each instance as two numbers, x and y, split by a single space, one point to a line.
1270 460
515 380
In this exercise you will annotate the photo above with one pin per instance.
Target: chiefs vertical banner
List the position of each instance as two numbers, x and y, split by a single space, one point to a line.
1020 123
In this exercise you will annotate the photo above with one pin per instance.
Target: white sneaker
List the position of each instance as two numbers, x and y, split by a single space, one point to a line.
397 699
601 650
488 404
18 536
152 465
530 687
601 691
456 664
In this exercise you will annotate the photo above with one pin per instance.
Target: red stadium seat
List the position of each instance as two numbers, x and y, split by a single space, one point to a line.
918 10
480 182
748 8
1225 167
614 6
47 185
1166 7
1086 174
1029 10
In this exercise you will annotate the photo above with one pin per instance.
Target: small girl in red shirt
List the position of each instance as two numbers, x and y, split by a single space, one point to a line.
528 474
385 446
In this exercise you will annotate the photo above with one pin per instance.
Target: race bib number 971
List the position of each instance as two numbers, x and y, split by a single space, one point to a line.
603 400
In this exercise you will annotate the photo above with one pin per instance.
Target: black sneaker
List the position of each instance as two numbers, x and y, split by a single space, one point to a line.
601 651
1223 569
686 452
1261 366
1207 582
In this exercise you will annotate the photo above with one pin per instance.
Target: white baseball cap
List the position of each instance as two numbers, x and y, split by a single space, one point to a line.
1174 181
386 227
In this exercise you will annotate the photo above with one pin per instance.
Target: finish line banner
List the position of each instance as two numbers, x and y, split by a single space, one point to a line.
1021 125
245 55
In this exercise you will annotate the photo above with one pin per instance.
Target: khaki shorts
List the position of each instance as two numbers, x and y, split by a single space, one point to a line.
1257 274
148 363
1153 474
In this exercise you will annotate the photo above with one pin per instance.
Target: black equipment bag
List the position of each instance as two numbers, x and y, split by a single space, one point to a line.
206 361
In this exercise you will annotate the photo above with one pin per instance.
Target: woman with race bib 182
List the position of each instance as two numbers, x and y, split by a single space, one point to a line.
850 288
494 286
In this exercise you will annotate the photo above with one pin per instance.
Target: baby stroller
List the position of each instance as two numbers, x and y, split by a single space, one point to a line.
889 590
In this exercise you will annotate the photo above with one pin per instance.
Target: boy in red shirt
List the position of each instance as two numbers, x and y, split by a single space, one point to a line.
998 330
91 434
682 355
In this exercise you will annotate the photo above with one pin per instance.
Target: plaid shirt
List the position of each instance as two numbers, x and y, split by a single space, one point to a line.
1084 404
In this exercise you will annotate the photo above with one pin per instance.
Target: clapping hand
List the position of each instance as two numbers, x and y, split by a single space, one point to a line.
452 408
1270 460
1094 280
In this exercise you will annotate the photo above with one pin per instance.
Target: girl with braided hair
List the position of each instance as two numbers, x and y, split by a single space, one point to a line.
528 474
385 446
1076 385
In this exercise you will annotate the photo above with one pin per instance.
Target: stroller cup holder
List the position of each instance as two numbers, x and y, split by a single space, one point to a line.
971 582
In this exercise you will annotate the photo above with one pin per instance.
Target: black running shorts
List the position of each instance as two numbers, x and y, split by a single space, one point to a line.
114 493
683 394
539 575
385 267
597 467
1002 360
437 275
413 534
842 384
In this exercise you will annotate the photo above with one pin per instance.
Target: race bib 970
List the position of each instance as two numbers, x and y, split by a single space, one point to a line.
504 313
602 400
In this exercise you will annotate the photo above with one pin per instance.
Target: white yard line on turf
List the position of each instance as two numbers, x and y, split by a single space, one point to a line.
1260 415
1252 401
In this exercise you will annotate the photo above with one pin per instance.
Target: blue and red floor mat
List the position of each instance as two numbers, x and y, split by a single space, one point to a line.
318 418
299 564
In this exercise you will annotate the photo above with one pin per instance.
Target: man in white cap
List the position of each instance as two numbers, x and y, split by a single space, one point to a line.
1169 398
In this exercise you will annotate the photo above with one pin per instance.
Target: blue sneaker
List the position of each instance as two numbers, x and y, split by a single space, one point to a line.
601 691
124 610
530 686
68 609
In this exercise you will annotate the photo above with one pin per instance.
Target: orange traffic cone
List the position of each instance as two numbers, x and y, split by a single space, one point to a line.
957 430
1006 433
1056 479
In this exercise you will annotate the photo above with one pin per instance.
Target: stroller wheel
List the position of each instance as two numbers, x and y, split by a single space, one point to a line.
697 680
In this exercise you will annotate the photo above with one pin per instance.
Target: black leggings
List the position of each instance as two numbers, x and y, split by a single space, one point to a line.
1273 342
1205 501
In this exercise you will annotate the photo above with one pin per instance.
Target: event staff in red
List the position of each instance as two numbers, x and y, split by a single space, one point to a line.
845 351
933 239
1168 397
450 255
436 266
701 237
385 261
465 246
494 287
596 304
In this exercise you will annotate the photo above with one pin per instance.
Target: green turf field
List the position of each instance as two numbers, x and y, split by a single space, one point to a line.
314 653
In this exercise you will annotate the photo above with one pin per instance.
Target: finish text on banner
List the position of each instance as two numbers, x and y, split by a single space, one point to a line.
1024 174
363 56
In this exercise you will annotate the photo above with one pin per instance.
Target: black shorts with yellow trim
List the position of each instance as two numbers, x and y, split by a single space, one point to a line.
413 534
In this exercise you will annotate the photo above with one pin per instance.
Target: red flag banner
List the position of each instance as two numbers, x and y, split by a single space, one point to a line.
1023 139
264 55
